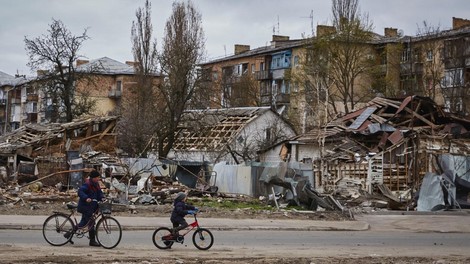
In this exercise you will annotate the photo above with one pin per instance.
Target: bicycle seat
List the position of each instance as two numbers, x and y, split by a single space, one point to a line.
72 205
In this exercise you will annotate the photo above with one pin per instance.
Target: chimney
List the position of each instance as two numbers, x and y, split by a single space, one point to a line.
391 32
81 62
323 30
280 38
131 63
42 72
239 49
459 23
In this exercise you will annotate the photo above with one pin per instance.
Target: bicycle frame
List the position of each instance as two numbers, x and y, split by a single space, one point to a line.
191 226
94 218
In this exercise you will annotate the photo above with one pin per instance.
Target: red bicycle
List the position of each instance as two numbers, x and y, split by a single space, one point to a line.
202 238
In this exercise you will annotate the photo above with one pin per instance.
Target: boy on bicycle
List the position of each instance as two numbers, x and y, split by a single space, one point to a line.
180 210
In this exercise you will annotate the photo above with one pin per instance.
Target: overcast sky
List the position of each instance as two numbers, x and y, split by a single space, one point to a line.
225 22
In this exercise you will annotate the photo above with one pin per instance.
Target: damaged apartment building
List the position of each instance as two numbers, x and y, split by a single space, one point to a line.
408 150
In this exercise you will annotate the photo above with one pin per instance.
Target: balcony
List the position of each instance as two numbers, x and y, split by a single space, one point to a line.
279 73
281 98
114 93
411 68
32 97
266 99
263 75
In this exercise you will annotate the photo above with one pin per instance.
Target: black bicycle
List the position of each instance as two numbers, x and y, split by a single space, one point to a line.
202 238
59 228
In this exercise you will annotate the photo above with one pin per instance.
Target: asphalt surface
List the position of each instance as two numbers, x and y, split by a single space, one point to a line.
443 222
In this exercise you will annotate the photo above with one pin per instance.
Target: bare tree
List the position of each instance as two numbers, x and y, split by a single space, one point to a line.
347 52
139 106
310 81
432 64
183 50
245 92
54 54
329 78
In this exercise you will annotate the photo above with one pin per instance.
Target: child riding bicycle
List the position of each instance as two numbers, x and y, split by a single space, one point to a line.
180 210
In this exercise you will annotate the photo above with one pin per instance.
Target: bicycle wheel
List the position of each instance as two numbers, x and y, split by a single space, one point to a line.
203 239
55 228
108 232
158 236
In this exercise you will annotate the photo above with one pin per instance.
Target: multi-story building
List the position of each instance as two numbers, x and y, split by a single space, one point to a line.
18 102
110 82
23 102
434 64
263 69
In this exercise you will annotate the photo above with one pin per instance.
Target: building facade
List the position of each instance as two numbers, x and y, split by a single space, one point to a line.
434 63
22 101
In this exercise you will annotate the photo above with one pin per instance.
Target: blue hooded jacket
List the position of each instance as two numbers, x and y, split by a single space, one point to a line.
91 190
180 210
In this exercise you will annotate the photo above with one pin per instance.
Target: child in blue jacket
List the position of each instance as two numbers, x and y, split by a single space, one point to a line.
180 210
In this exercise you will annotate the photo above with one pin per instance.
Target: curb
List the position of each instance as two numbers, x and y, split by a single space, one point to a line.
362 226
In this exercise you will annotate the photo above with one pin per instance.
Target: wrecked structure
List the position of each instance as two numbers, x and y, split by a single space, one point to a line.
388 147
405 153
49 147
232 135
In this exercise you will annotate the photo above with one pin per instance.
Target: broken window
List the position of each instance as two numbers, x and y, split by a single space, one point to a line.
118 85
429 55
452 78
268 133
405 55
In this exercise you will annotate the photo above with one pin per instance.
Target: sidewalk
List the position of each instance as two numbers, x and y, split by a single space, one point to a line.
34 222
398 221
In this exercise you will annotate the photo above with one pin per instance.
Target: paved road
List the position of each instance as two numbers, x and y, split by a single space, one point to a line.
424 238
23 246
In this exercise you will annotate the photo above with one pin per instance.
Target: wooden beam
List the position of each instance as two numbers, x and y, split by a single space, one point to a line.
420 117
97 135
109 127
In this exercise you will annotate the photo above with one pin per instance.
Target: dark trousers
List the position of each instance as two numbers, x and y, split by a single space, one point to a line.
179 224
86 216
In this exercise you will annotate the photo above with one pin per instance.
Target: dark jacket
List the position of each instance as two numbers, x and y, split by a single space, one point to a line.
89 190
180 210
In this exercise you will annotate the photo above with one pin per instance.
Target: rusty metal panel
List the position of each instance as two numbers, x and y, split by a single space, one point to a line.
396 137
404 104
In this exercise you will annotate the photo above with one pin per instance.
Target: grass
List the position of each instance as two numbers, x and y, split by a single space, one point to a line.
232 204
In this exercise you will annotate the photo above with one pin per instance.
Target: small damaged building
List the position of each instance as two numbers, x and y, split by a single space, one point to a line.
46 148
391 147
232 135
209 141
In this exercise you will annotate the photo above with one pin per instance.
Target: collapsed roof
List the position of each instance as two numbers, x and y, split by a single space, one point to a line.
214 128
390 121
37 135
